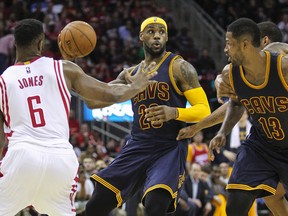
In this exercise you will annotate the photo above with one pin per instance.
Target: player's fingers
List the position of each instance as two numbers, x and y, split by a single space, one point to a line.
149 67
152 118
183 134
141 66
127 75
180 135
151 75
155 116
211 154
151 109
220 100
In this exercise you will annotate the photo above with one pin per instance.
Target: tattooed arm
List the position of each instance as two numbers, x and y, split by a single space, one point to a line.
186 79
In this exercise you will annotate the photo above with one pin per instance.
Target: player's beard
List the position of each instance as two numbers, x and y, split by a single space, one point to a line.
153 53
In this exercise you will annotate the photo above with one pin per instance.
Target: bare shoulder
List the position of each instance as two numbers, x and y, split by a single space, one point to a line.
70 67
284 66
277 47
71 72
225 74
185 75
225 70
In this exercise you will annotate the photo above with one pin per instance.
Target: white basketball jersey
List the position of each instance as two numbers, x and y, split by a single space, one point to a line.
35 102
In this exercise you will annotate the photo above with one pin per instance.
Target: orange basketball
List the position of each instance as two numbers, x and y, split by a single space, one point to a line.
78 39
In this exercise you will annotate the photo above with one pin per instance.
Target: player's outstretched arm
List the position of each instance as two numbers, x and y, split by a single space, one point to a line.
223 89
186 78
121 79
91 89
215 118
233 114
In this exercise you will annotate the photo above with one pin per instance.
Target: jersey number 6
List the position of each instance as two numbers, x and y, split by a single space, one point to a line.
36 114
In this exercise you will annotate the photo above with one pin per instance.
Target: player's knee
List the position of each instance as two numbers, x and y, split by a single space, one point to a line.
157 202
236 208
102 202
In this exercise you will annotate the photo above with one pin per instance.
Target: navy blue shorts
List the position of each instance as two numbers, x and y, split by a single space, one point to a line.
259 168
146 164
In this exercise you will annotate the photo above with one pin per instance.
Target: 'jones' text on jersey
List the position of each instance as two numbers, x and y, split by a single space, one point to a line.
30 81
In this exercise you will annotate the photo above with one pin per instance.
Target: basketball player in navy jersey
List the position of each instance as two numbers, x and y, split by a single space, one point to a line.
40 166
259 79
152 158
270 34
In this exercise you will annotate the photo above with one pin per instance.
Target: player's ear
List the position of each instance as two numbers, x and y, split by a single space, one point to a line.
265 41
141 36
41 43
245 43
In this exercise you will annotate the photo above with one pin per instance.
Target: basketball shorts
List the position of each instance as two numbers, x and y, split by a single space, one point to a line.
257 168
44 178
146 164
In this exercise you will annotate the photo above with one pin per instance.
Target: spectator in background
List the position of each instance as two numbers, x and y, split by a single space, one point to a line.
89 165
52 35
218 190
84 136
6 48
85 189
283 26
38 13
197 151
112 148
195 197
225 171
73 123
99 165
239 132
206 64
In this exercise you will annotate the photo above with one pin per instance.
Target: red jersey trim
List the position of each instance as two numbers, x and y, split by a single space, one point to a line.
63 93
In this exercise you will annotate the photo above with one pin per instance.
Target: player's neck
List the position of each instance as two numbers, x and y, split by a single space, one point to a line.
255 68
149 58
23 57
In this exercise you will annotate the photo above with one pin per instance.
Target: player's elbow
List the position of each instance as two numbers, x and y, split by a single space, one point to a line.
206 110
96 104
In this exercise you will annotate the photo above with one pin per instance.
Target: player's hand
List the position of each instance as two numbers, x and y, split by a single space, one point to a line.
141 79
231 156
216 144
62 51
223 90
160 114
187 132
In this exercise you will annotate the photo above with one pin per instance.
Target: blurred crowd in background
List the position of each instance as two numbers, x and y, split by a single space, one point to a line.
117 24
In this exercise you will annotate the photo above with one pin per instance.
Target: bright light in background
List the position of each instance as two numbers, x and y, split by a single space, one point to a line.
119 112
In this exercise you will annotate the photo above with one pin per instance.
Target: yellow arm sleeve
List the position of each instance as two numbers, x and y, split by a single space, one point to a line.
199 106
190 153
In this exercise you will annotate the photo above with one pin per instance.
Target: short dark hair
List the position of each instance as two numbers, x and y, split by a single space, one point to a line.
27 31
245 26
270 30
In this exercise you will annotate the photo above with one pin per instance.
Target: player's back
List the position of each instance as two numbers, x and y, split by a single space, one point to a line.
35 102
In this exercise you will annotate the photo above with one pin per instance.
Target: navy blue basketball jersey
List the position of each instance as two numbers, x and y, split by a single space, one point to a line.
266 103
162 92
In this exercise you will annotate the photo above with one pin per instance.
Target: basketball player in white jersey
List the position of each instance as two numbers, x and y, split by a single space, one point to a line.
40 167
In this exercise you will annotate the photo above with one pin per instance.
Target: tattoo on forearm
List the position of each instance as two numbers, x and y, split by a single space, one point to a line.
189 73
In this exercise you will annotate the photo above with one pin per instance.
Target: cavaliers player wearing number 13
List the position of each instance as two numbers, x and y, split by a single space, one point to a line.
152 159
40 166
259 79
